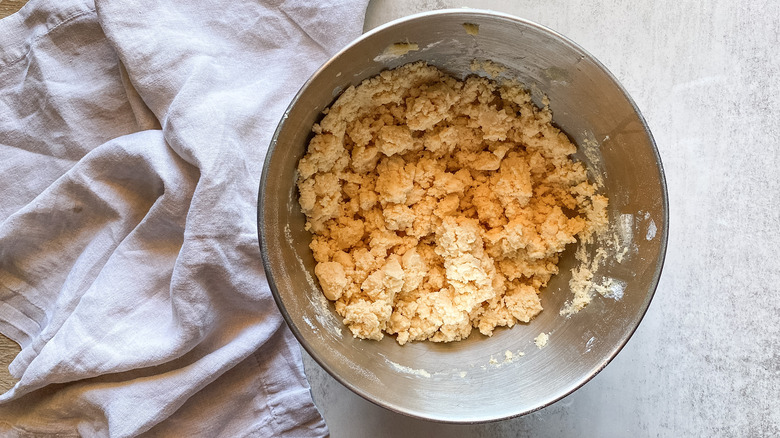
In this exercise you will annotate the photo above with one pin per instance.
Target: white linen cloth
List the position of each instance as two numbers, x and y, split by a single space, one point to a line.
132 137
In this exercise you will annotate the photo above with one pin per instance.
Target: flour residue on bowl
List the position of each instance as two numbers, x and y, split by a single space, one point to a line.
309 323
581 283
290 241
590 147
623 236
396 50
584 281
613 244
610 288
614 237
322 314
619 239
651 230
317 300
408 370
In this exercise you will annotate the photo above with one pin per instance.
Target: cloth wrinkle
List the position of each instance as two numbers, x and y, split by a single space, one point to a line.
64 21
143 115
133 136
294 22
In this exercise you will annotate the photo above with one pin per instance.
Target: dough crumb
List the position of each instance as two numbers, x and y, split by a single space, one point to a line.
493 69
438 206
541 340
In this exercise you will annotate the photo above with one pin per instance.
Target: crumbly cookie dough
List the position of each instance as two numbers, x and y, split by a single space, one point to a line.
541 340
438 206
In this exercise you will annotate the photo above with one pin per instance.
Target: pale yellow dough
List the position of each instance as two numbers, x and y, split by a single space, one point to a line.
438 206
541 340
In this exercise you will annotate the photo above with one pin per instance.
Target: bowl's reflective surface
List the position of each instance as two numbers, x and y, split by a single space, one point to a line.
474 380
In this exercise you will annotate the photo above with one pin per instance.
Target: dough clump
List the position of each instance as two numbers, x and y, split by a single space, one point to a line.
438 206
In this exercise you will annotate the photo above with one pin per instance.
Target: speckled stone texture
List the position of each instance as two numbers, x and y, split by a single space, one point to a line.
706 359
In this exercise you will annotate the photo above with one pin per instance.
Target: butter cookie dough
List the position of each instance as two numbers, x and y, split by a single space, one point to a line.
439 206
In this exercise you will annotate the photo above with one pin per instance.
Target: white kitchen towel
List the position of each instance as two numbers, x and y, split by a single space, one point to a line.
132 136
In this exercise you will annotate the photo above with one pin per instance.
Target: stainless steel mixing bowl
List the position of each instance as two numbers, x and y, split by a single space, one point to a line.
477 380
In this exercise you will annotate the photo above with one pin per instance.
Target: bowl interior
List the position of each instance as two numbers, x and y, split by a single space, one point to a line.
480 379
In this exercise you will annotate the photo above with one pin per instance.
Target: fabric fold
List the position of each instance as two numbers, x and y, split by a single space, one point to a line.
133 135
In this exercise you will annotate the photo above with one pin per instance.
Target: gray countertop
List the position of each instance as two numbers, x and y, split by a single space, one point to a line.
706 359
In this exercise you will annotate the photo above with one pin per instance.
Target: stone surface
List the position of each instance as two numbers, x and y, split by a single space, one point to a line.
706 359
